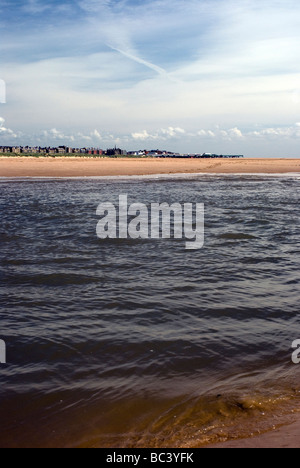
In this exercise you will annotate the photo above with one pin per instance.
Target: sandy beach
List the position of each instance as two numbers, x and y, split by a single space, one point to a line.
85 167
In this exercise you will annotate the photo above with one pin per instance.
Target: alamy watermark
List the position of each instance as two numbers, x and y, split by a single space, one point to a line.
2 92
158 221
296 353
2 352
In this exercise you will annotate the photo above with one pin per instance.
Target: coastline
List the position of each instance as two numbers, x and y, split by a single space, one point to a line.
87 167
287 436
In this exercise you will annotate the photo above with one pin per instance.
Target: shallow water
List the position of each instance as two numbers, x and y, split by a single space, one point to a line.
140 342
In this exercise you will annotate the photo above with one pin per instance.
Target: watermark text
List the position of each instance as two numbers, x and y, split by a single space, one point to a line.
2 352
157 221
144 457
296 353
2 92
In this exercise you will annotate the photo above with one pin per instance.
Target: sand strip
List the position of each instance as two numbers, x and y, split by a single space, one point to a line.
285 437
85 167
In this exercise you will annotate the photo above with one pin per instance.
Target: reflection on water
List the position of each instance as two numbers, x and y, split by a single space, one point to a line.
142 343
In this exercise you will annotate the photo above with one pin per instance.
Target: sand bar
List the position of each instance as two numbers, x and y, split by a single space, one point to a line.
85 167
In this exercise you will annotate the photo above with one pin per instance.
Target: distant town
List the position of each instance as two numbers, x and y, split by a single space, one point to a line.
96 152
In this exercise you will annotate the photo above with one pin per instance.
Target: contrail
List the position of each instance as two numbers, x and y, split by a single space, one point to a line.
147 64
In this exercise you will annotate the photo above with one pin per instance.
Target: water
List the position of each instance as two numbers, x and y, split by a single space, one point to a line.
141 343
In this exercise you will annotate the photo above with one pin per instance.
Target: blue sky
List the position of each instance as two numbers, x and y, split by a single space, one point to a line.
185 75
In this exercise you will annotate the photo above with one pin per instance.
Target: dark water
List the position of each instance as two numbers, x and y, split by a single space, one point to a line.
140 342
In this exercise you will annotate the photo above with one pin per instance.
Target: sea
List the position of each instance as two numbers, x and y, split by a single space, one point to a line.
141 342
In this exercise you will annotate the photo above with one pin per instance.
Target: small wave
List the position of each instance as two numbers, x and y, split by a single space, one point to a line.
191 423
151 177
236 236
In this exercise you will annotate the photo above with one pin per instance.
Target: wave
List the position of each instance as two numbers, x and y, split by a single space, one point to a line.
151 177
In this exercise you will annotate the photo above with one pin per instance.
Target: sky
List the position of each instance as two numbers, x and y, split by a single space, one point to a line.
217 76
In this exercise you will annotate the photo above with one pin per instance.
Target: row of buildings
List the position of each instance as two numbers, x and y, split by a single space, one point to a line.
68 150
113 152
29 150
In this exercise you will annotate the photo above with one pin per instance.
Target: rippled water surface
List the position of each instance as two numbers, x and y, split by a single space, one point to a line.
120 343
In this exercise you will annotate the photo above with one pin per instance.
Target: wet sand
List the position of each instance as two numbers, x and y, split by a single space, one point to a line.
285 437
86 167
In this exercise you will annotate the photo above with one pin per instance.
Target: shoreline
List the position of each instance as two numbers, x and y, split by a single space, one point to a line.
18 167
286 436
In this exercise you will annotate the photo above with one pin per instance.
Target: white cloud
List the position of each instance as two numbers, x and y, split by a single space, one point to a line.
173 132
57 134
96 134
215 140
162 134
292 133
235 133
167 135
6 132
206 133
54 135
143 136
81 136
230 134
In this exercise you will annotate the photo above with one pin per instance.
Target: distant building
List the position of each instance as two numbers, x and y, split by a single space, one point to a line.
116 152
61 150
16 149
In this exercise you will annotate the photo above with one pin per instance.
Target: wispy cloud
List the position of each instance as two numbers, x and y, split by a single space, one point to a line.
136 59
94 6
36 6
